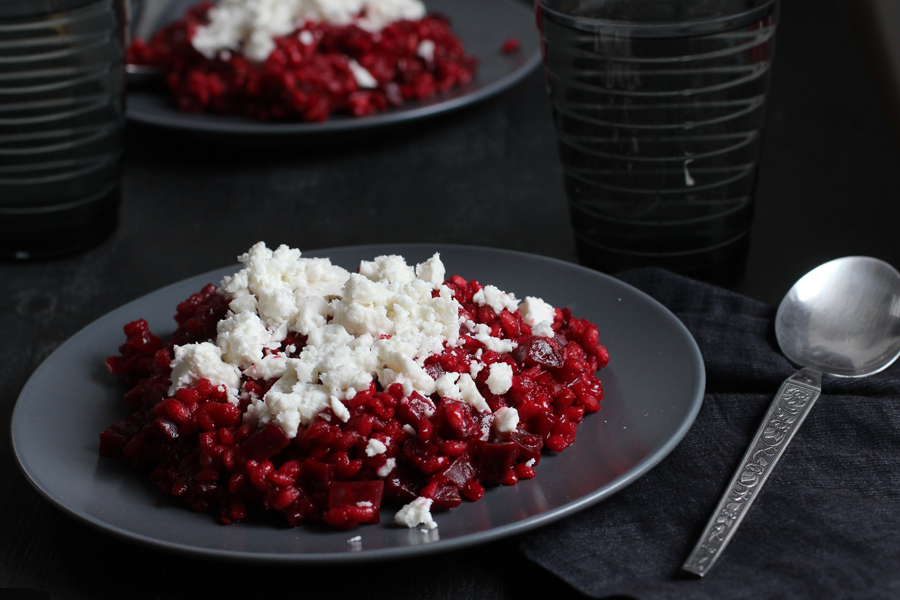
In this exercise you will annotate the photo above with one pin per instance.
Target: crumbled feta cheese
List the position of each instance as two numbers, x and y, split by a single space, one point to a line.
194 362
417 512
482 333
534 310
375 447
306 38
506 419
543 329
475 368
242 337
529 462
250 26
500 378
380 324
496 298
385 469
408 429
468 393
425 51
363 78
432 271
339 410
269 367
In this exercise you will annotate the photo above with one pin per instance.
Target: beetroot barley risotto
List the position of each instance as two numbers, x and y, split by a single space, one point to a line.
303 60
299 387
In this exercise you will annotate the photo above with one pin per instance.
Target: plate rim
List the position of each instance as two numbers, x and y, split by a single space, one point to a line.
385 554
339 126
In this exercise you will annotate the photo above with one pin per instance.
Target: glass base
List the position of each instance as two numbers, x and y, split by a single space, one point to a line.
723 266
54 234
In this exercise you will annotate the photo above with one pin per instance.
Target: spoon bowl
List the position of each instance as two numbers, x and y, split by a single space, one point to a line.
840 319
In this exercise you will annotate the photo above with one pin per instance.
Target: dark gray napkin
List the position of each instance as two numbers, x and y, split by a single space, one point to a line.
827 523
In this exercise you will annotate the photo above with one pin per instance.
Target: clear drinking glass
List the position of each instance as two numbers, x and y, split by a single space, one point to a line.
62 115
659 107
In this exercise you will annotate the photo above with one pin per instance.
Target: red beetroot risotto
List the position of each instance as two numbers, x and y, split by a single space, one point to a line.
200 447
309 75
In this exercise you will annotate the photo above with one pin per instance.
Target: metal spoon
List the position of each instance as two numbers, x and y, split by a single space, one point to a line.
841 319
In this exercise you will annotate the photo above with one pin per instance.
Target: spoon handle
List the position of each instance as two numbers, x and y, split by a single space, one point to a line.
792 403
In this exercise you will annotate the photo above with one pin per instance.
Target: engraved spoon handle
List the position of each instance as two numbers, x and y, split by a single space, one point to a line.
792 403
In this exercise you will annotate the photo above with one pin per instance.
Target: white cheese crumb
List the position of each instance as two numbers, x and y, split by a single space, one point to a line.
194 362
534 310
242 337
339 410
543 329
500 379
475 368
482 333
468 393
432 271
385 469
425 51
363 78
496 298
375 447
506 419
417 512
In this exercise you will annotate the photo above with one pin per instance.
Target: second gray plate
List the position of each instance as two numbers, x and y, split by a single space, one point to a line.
481 25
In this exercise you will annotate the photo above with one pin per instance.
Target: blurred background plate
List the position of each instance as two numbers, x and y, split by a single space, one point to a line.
482 25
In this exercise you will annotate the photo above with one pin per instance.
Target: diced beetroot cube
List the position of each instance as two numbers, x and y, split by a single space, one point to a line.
117 435
455 420
424 455
161 429
362 494
302 510
495 461
529 445
139 450
539 351
213 415
403 484
315 479
542 424
460 472
413 408
446 498
265 443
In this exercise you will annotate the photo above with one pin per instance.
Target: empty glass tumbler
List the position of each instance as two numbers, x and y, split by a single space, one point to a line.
659 108
62 84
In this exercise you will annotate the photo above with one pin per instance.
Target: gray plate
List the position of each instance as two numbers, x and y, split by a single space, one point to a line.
654 387
482 25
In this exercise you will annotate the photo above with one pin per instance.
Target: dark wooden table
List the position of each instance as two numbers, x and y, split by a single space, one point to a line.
487 175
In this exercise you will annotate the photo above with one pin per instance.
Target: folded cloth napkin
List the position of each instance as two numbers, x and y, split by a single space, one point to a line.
827 522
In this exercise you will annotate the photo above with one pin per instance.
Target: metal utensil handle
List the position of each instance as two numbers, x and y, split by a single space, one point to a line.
792 403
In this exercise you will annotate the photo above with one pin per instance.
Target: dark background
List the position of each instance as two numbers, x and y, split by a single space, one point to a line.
487 175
